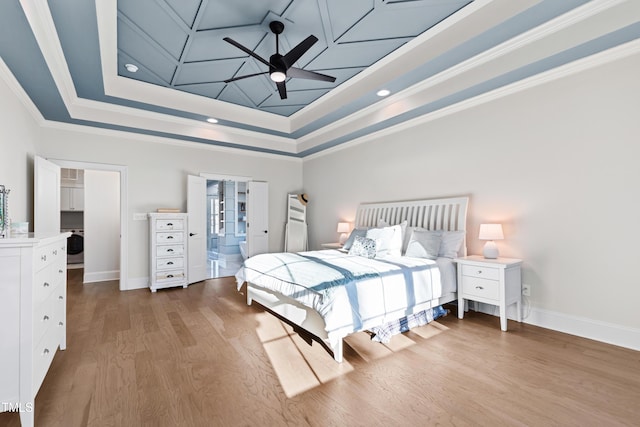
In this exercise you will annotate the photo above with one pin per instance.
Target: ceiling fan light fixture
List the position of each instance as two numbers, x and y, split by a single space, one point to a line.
278 76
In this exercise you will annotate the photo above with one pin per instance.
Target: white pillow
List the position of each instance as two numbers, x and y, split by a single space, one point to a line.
424 244
406 233
388 240
450 241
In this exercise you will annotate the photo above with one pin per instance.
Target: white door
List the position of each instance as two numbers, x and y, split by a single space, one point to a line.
197 229
257 218
46 195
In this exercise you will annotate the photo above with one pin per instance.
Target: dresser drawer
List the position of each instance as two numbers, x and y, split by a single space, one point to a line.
169 237
44 317
484 288
170 276
45 282
169 250
43 354
169 263
481 272
169 224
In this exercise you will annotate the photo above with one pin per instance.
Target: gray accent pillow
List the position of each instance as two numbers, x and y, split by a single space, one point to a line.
424 244
363 246
451 243
362 232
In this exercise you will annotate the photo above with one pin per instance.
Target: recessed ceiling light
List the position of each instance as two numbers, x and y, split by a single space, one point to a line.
131 68
212 120
383 92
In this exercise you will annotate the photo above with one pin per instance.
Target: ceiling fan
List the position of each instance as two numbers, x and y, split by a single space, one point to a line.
281 66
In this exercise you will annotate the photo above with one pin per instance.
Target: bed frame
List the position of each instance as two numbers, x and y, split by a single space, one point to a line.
432 214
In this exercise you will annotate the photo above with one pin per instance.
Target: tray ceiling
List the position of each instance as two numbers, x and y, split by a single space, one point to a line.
69 57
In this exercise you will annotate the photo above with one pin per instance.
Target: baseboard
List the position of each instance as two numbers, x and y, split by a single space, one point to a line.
101 276
137 283
609 333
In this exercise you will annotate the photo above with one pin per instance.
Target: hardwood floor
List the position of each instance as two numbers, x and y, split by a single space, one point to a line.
201 357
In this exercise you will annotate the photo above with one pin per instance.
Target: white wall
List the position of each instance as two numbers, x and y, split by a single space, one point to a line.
556 164
101 226
157 176
18 133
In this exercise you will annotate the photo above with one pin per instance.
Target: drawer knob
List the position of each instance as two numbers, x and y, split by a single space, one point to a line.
169 224
169 250
60 324
60 297
45 318
169 275
45 284
170 263
60 271
46 351
43 257
479 287
479 271
55 252
169 237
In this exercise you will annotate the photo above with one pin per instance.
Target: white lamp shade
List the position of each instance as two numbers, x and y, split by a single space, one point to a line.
491 232
343 227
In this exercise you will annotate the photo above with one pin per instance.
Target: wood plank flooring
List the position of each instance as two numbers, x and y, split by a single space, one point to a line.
201 357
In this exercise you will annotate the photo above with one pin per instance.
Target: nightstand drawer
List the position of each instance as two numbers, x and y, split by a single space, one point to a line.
484 288
481 272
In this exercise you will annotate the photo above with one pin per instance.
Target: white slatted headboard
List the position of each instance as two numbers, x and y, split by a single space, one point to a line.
432 214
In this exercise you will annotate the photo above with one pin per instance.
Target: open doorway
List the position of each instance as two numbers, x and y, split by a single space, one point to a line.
96 208
226 226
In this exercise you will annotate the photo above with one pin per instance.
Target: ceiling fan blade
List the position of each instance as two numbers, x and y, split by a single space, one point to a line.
247 51
244 77
282 89
294 54
310 75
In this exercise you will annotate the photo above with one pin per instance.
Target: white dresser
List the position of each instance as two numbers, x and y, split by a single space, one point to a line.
33 311
168 250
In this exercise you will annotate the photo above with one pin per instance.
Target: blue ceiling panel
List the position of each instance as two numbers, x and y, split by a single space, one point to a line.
232 94
210 90
382 23
156 22
208 45
236 13
206 72
185 9
345 14
301 98
355 54
145 53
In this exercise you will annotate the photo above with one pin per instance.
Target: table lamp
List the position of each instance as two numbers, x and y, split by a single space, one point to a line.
343 229
490 232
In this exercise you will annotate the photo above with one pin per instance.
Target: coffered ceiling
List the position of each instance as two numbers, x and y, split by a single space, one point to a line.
70 57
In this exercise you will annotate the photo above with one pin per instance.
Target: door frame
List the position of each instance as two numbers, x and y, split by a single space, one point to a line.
124 208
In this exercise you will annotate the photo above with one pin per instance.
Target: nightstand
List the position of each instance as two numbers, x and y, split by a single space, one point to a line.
335 245
490 281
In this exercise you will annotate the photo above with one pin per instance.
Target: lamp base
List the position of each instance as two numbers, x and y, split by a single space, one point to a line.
490 250
343 238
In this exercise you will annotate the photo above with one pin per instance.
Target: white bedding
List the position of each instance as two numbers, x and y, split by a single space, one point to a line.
352 293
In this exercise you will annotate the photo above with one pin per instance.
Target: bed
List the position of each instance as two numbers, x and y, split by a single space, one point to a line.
327 295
